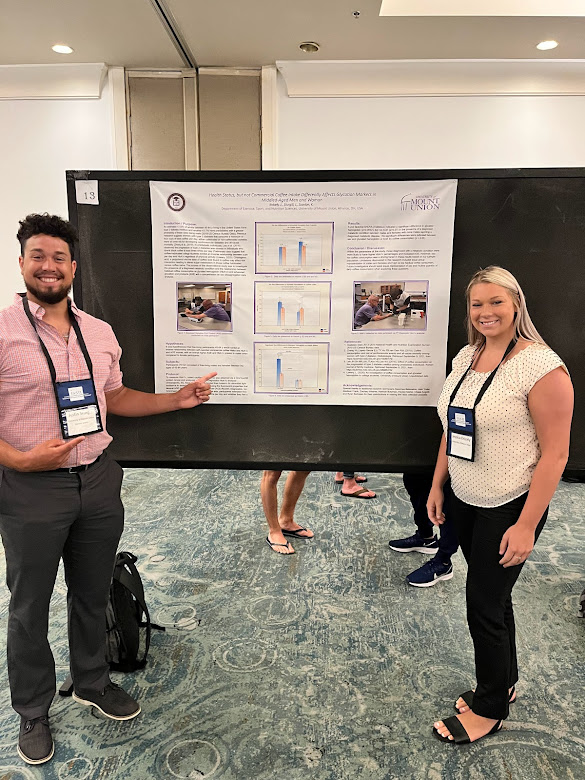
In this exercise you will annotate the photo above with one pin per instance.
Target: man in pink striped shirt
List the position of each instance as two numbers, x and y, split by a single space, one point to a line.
59 491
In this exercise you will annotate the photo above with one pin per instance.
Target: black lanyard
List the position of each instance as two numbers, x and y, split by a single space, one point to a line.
488 381
77 404
460 432
76 328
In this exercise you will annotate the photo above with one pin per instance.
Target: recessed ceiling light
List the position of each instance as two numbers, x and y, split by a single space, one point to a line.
62 48
546 45
309 46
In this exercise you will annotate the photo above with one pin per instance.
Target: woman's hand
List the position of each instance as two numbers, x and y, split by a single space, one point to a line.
516 545
435 506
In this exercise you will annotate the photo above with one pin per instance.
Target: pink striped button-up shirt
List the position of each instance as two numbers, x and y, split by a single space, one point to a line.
28 409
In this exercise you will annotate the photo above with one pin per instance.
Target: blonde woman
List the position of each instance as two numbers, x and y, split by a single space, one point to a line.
506 410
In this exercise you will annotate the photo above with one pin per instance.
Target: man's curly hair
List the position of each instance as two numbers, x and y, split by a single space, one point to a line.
46 225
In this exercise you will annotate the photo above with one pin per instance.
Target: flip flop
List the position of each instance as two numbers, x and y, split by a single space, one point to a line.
457 731
357 494
278 544
359 480
296 533
468 699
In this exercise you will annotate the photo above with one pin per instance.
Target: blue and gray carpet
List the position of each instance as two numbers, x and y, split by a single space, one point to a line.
324 665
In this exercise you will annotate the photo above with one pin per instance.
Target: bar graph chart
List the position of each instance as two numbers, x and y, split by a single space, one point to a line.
293 247
281 307
291 368
301 253
291 254
294 378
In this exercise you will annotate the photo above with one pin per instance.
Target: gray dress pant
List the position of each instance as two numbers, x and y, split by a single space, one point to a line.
46 516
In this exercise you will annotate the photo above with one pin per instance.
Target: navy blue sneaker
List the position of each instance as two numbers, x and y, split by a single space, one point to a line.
430 573
415 543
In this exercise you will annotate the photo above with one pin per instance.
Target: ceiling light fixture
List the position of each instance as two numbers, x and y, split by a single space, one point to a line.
546 45
62 48
310 47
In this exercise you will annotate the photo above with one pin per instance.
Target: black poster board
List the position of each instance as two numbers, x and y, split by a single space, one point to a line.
530 221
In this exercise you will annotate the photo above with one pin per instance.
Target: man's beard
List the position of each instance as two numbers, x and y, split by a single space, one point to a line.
50 296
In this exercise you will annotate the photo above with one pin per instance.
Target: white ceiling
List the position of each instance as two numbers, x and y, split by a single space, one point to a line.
482 8
259 32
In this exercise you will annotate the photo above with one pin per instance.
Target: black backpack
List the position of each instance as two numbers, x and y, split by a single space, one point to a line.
128 626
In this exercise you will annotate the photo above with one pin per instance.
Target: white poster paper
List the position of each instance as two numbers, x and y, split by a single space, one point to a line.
328 292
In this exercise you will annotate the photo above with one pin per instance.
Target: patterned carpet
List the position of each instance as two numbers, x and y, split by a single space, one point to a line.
321 665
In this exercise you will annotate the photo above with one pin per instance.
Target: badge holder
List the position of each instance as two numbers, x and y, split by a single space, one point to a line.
461 432
79 413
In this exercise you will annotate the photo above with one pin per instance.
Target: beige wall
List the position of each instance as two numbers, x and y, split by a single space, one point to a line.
157 138
166 128
229 117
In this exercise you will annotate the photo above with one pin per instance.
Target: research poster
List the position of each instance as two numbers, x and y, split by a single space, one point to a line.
312 292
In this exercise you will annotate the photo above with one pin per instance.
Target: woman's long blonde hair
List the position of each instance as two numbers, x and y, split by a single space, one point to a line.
494 274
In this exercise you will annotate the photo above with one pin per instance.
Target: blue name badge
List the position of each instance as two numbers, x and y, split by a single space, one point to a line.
79 413
461 432
80 391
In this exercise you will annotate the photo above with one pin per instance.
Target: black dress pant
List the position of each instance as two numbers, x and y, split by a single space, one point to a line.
490 614
418 487
46 516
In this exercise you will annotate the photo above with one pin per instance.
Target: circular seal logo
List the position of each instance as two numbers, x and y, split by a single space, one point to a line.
176 202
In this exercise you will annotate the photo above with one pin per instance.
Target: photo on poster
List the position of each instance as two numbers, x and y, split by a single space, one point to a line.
291 368
294 247
204 306
292 307
390 305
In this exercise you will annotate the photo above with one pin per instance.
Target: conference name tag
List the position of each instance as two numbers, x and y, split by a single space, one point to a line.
461 432
80 421
460 446
79 412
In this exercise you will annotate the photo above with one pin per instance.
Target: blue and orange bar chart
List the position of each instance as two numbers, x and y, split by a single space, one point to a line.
302 253
281 315
280 376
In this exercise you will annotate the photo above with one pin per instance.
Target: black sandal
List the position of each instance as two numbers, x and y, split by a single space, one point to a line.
274 545
297 533
468 699
457 731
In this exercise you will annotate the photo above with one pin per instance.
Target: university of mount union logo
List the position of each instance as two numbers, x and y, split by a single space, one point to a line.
176 202
419 203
